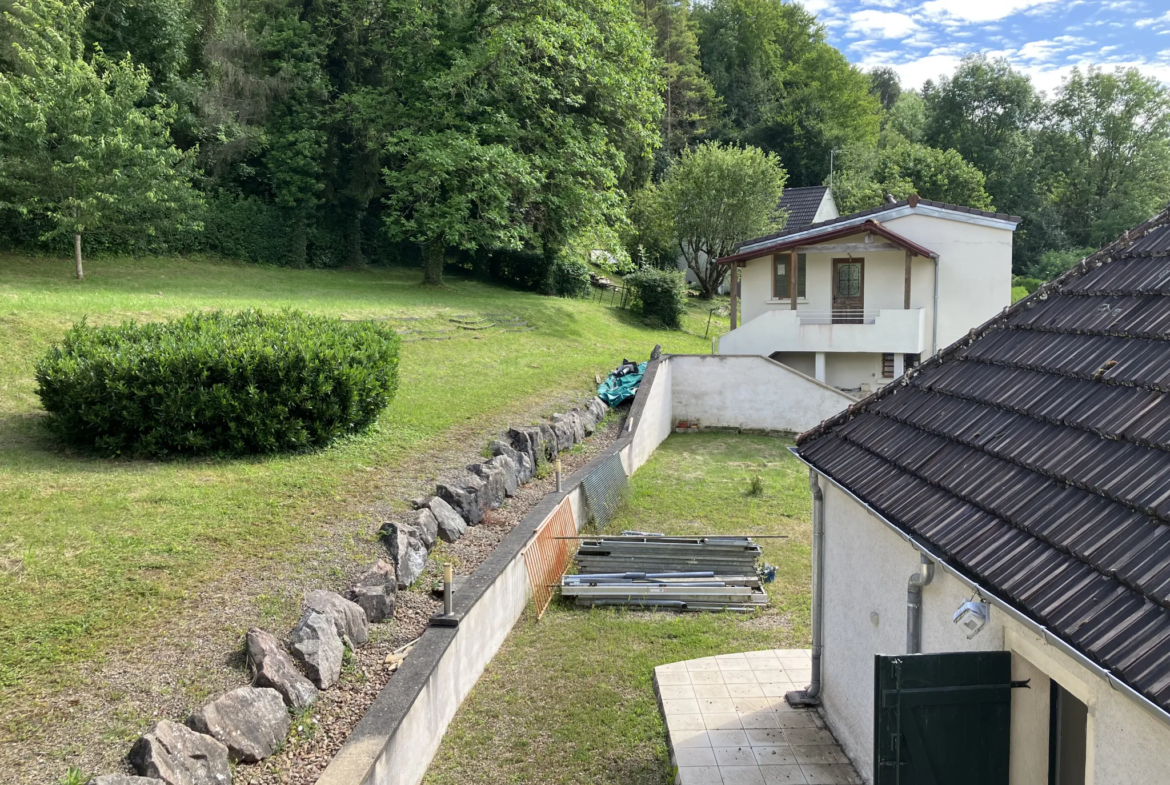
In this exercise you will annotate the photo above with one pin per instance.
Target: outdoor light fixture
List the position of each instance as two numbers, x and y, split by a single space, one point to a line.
972 616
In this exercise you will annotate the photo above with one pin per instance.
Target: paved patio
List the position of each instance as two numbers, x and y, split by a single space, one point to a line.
728 722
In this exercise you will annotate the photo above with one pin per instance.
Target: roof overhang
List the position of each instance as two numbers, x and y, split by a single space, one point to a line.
834 232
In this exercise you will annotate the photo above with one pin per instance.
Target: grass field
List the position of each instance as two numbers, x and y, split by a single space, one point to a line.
93 549
569 699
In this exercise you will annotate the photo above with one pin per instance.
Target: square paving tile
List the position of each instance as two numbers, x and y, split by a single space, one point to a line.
809 736
728 738
717 721
746 690
689 706
705 677
742 664
715 705
766 737
673 692
782 775
673 677
741 775
834 774
710 690
694 756
705 664
686 722
699 775
739 677
774 756
818 754
760 719
734 756
689 738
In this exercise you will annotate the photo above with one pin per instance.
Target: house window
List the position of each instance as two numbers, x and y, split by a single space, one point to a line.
912 360
888 366
783 284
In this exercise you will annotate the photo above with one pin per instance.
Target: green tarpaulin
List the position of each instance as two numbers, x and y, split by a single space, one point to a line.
617 389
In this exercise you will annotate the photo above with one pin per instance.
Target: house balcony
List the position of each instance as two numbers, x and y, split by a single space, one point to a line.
885 330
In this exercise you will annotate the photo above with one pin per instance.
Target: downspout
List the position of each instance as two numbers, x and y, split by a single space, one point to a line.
934 333
914 605
812 695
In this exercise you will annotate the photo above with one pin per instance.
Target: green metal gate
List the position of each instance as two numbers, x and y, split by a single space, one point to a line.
942 719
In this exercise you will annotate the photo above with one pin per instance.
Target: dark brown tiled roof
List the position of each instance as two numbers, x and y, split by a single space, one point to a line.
802 204
874 211
1034 456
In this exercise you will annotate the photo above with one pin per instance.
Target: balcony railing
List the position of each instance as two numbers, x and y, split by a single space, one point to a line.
839 316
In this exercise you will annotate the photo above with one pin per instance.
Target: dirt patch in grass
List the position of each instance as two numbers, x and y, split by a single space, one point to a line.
570 699
96 710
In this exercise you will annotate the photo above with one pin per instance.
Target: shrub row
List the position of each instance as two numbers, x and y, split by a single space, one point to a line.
218 383
661 295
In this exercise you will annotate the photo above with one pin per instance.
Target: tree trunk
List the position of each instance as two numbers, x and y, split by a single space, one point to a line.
433 263
77 255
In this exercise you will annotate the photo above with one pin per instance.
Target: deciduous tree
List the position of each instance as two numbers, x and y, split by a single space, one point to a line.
76 145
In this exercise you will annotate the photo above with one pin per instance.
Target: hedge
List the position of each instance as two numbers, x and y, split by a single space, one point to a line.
217 383
661 295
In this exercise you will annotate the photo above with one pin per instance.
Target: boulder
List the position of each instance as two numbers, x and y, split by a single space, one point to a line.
551 444
464 495
315 642
274 668
427 527
563 432
451 526
588 420
599 408
494 484
376 590
525 468
498 447
511 474
352 626
178 755
124 779
527 440
250 721
407 552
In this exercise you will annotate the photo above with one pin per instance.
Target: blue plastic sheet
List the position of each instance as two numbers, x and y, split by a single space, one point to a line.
615 390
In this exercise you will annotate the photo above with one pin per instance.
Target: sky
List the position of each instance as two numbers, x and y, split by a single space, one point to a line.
1042 38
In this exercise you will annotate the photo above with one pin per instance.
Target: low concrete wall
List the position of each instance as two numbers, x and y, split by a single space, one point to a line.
400 733
748 391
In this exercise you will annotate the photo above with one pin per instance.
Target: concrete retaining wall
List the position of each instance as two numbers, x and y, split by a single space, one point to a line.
748 391
399 735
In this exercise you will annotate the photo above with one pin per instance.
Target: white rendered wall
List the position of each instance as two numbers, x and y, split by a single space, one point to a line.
975 270
722 391
867 566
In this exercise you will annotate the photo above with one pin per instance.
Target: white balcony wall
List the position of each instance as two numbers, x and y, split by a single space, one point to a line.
786 331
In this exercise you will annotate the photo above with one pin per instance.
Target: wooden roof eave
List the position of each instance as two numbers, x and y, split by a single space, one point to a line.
833 233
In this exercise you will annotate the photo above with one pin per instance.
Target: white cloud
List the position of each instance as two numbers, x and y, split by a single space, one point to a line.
882 24
967 11
817 7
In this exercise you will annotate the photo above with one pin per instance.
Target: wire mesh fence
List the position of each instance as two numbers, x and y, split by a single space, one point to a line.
605 490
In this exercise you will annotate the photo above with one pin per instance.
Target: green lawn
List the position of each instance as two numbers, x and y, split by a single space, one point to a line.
92 550
569 699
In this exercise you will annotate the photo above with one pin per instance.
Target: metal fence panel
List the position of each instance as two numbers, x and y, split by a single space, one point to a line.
605 490
546 557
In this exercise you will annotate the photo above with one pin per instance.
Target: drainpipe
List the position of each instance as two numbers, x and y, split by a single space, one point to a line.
812 695
934 334
914 605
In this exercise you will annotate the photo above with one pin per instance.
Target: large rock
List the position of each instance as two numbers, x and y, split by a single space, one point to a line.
563 432
250 721
315 642
575 426
349 617
510 471
599 408
178 755
588 420
527 440
464 495
124 779
427 527
551 443
274 668
407 552
376 590
495 484
451 526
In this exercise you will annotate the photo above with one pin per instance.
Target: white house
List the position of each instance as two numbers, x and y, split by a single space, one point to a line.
854 299
993 530
803 208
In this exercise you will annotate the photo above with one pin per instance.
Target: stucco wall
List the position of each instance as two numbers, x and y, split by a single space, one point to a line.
867 566
729 391
975 270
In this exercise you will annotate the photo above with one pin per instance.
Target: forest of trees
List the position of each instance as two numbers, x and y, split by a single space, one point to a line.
496 135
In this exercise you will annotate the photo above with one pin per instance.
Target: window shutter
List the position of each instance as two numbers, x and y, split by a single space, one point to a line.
888 365
780 290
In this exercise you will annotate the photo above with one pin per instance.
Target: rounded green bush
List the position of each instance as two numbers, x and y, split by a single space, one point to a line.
218 383
661 294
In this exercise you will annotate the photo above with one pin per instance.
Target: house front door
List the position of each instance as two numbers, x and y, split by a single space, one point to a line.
848 291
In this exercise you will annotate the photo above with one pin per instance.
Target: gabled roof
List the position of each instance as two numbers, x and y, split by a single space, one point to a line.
831 232
1033 455
802 204
887 212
